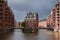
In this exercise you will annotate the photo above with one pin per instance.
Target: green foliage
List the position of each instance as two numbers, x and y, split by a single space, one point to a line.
23 24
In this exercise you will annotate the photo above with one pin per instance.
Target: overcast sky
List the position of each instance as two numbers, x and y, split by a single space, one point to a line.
21 7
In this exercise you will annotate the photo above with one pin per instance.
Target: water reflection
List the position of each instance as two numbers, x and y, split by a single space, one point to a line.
31 36
19 35
56 36
6 36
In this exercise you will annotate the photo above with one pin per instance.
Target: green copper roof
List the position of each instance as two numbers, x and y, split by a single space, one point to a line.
58 0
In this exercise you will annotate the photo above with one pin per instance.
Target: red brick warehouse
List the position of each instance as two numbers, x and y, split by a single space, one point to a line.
55 17
6 16
31 21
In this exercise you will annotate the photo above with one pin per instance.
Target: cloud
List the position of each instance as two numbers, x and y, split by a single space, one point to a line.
30 4
19 15
21 7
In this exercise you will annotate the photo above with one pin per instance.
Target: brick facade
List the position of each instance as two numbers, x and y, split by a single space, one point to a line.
31 21
6 16
55 17
42 23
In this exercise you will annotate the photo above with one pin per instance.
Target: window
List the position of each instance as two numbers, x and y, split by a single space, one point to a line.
58 17
6 18
6 24
6 11
9 25
57 8
1 24
1 13
58 20
0 21
1 5
58 24
6 14
53 15
57 11
1 1
1 9
0 17
57 14
57 5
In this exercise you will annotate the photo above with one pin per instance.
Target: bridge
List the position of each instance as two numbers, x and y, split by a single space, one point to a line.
38 28
17 27
45 28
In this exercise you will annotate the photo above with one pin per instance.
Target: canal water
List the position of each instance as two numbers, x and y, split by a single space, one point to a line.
19 35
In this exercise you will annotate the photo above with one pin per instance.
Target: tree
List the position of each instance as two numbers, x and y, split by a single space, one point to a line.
23 24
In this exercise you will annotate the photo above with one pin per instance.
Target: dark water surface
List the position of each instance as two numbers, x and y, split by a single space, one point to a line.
19 35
